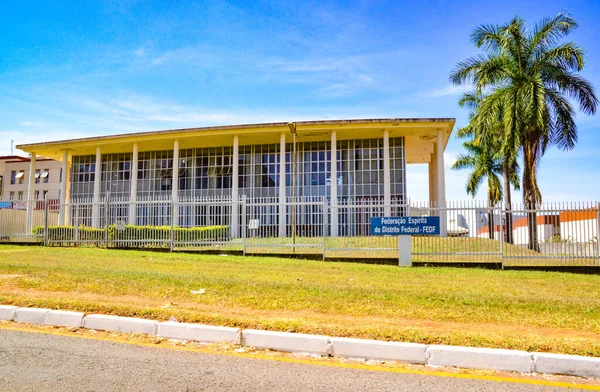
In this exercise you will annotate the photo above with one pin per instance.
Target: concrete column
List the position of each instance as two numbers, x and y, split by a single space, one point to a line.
433 178
334 187
175 183
63 212
133 186
235 221
387 196
441 184
96 199
282 204
30 193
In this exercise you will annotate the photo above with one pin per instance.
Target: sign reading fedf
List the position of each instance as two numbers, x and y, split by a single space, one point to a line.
406 225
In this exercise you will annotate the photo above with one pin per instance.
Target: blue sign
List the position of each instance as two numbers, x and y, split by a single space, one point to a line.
5 205
406 225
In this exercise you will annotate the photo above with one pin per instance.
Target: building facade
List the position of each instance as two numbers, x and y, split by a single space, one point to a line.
338 160
14 178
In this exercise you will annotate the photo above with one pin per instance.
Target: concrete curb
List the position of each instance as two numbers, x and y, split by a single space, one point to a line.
432 355
63 318
31 315
286 341
199 333
120 324
572 365
375 349
480 358
8 312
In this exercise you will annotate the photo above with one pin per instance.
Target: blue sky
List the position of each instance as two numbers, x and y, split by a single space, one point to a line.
83 68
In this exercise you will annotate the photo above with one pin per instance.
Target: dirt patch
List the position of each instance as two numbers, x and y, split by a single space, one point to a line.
313 318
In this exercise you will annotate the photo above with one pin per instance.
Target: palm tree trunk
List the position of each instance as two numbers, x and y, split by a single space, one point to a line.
529 193
507 203
490 217
491 224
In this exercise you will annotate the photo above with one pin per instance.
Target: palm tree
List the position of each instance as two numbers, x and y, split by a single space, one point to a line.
484 163
529 76
489 130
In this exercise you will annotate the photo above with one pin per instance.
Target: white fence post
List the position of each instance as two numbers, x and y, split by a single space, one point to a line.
244 223
76 224
325 225
501 234
106 217
173 215
598 230
46 220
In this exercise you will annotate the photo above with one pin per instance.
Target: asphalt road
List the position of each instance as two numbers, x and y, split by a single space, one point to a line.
39 362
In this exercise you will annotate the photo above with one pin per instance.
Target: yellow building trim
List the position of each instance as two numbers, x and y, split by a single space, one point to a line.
420 135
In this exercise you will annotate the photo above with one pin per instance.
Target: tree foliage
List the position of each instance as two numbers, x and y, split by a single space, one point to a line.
528 81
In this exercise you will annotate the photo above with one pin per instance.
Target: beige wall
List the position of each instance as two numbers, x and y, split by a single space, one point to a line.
53 185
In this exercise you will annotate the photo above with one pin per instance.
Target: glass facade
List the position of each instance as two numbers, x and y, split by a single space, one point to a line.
83 170
208 171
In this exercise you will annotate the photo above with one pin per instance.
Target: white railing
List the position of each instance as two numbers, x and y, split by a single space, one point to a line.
564 234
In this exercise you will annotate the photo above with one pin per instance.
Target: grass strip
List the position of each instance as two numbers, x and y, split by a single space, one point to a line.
528 310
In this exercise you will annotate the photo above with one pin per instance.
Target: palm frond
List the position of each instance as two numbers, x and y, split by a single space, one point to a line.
549 30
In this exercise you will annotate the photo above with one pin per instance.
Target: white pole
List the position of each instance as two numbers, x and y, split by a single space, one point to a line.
64 189
175 184
334 186
282 205
387 196
96 199
235 187
30 193
133 186
441 184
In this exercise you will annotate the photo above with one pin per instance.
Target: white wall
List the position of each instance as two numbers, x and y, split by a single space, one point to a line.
521 234
579 230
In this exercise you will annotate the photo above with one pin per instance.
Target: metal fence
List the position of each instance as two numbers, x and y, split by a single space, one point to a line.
555 234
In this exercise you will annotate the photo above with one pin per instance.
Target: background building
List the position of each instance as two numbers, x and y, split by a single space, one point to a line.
14 178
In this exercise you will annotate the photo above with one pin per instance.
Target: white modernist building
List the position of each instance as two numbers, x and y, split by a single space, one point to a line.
341 160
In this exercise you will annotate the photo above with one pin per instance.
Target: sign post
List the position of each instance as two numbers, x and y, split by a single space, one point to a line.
405 251
405 227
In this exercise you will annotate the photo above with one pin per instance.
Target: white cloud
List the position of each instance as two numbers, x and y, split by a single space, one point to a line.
32 124
444 92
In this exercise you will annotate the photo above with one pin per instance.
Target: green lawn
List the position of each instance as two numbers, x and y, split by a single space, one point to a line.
543 311
424 249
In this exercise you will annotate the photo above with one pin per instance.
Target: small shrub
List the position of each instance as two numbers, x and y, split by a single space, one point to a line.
131 234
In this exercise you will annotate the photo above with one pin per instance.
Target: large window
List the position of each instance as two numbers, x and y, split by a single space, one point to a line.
115 174
359 168
314 169
259 170
83 169
209 171
155 172
214 168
